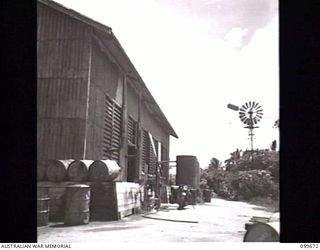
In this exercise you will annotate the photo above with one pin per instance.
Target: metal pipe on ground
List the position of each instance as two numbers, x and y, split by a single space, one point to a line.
184 221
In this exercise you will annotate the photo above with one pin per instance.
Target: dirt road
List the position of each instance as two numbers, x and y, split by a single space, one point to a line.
218 221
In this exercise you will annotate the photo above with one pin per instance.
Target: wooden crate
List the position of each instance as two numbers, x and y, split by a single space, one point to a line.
128 198
103 204
114 200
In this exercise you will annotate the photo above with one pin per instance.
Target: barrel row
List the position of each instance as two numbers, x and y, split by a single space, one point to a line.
77 170
77 203
75 210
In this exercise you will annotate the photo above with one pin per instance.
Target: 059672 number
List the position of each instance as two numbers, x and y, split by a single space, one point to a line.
309 246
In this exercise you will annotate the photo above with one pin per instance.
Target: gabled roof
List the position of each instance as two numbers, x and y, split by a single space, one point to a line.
108 39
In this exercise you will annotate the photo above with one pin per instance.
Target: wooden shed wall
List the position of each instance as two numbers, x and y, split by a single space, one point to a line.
133 102
147 120
74 78
105 80
63 63
105 75
149 123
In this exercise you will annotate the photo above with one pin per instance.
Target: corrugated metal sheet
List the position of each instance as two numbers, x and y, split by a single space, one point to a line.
96 106
55 25
94 141
132 102
64 98
104 74
63 68
60 138
61 23
63 45
63 58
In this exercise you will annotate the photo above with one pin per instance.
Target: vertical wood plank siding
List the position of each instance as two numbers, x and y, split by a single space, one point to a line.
63 49
150 124
62 68
61 98
132 101
54 25
104 74
62 58
104 83
60 138
95 123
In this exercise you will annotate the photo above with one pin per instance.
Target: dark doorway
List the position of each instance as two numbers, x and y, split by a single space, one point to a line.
132 164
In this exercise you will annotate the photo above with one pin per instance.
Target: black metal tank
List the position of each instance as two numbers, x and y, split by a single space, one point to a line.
188 172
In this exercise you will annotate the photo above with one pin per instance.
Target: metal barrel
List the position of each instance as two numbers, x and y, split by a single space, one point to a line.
57 170
207 195
263 232
78 170
57 202
103 170
42 206
41 169
188 172
193 196
77 205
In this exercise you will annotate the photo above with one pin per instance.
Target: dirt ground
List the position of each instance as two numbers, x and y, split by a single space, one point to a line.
218 221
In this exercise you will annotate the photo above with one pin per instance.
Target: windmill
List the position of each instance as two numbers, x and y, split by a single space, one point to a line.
250 114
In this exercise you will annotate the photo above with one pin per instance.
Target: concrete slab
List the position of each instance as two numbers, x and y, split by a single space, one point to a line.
218 221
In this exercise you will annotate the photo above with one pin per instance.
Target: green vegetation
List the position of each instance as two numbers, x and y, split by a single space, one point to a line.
244 178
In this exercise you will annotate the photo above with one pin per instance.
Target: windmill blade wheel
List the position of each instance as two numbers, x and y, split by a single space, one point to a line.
250 113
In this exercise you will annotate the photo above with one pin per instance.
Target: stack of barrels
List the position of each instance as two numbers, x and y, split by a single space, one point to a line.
64 188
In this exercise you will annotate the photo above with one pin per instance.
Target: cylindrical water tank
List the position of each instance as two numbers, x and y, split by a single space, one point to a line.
188 172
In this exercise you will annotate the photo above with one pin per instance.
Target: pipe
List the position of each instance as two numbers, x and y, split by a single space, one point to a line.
185 221
160 162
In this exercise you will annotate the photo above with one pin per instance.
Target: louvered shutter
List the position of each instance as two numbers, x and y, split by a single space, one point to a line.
145 149
132 130
153 157
112 130
116 132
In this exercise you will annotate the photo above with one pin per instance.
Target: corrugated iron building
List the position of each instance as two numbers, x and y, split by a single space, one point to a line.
92 103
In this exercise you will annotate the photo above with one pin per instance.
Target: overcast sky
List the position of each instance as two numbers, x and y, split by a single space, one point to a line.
196 56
